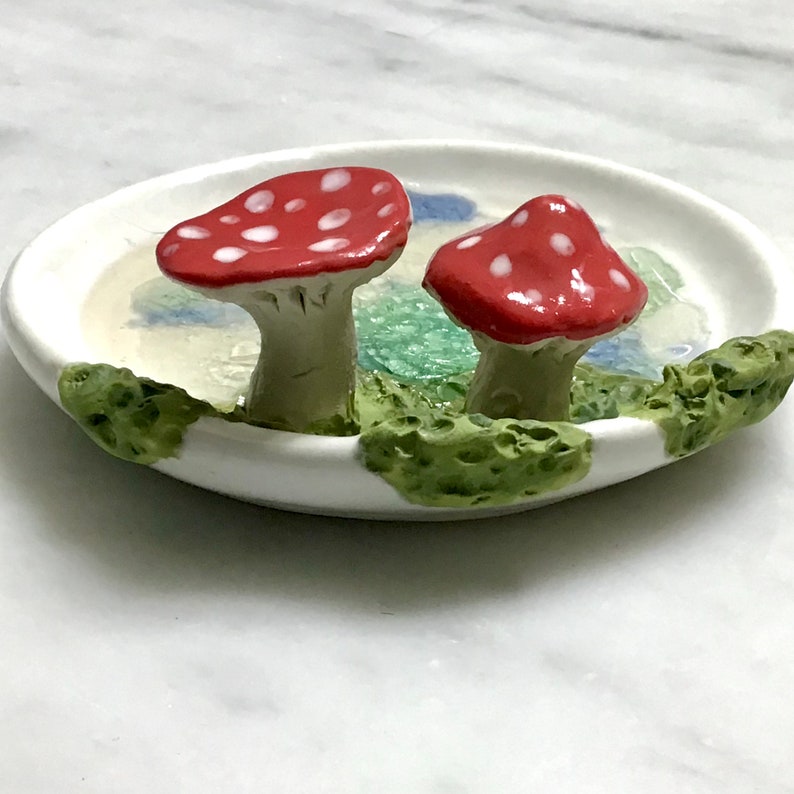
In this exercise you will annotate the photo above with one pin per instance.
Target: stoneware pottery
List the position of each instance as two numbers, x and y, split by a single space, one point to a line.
89 290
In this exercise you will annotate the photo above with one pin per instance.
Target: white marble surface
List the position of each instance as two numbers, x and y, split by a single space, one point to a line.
162 639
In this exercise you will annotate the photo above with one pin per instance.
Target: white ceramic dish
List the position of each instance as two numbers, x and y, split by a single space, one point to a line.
49 303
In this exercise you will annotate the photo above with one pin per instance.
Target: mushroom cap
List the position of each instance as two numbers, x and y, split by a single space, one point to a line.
292 226
544 271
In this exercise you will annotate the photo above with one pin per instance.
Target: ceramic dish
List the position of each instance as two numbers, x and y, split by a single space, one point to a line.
88 289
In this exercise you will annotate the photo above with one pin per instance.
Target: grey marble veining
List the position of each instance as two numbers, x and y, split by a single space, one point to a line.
162 639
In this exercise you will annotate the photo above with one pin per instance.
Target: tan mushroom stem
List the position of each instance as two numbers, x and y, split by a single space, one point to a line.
524 381
305 376
306 368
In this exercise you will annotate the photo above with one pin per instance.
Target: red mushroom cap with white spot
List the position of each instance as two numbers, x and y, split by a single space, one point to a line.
543 272
295 225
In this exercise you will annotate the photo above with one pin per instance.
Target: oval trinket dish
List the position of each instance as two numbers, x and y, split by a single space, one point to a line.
88 290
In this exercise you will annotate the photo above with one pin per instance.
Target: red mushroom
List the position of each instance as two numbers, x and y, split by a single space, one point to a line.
290 251
536 291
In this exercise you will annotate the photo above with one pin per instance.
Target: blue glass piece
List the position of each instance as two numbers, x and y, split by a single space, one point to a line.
449 207
623 353
160 303
208 315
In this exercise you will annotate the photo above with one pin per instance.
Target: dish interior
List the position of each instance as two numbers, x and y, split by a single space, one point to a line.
134 317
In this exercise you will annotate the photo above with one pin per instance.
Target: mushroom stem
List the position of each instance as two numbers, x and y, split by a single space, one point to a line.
305 376
524 381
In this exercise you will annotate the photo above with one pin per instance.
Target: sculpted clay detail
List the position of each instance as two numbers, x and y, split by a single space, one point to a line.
290 251
536 291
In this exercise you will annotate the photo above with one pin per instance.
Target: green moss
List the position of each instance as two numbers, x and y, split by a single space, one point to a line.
418 438
737 384
336 425
443 459
595 394
598 394
434 455
133 418
380 396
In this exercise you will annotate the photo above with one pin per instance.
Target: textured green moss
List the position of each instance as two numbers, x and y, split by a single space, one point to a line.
442 459
597 394
380 396
133 418
737 384
336 425
419 440
435 456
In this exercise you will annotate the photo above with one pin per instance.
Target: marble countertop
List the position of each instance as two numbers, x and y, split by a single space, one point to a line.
163 639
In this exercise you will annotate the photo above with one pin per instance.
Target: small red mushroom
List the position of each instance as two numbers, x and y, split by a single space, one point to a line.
535 290
290 251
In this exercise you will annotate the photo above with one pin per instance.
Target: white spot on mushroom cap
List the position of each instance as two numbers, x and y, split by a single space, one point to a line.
260 234
619 279
578 284
468 242
501 266
230 219
329 244
528 298
520 218
380 188
562 244
386 210
228 254
193 233
533 296
335 180
260 201
295 205
170 250
334 219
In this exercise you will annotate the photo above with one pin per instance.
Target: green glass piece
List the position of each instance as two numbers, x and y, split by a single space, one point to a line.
407 334
661 278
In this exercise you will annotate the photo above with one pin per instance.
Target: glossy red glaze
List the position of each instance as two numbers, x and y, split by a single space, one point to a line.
544 271
292 226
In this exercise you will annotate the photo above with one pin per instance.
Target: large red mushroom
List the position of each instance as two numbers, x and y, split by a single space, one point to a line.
290 251
535 290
